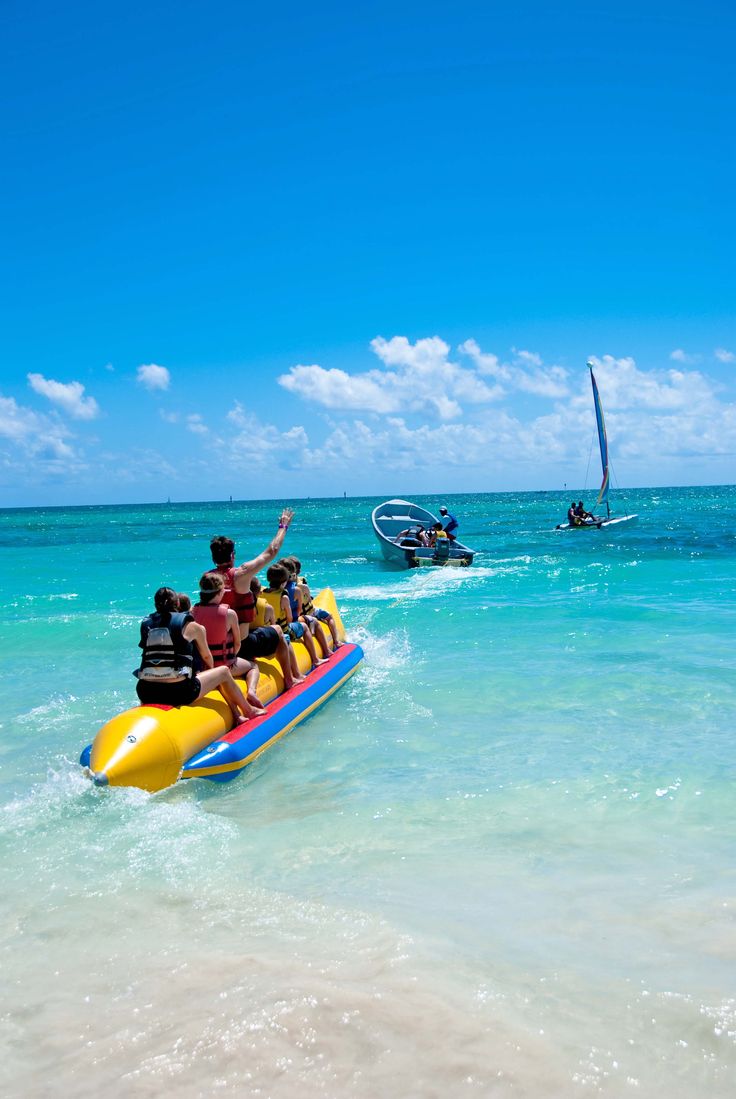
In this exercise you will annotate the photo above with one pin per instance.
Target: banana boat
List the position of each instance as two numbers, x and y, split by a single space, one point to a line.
152 747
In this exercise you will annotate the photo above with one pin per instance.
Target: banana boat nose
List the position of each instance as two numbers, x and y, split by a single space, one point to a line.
148 746
133 749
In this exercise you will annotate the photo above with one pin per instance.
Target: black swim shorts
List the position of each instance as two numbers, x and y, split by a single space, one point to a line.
262 641
182 693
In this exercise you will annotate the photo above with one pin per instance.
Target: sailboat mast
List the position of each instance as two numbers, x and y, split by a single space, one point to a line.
602 443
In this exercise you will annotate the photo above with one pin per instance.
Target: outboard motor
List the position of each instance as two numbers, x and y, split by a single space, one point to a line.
442 549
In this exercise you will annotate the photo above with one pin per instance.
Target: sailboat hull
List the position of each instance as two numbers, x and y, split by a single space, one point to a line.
616 522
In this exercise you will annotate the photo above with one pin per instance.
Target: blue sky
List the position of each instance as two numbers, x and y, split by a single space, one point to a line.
313 250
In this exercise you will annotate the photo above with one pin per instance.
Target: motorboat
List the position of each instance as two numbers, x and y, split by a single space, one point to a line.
398 524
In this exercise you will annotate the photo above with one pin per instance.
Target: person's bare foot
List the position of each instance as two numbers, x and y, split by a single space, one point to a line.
254 700
318 662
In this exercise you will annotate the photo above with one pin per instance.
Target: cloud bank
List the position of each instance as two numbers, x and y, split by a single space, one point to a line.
425 405
421 415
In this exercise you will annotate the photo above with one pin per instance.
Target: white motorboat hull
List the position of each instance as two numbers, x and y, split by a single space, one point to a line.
393 516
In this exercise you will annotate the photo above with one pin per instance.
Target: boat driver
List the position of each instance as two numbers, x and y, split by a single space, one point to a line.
449 523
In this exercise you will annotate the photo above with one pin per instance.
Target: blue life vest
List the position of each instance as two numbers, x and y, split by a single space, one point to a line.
290 590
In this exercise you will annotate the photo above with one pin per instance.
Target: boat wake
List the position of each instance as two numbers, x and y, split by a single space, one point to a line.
426 584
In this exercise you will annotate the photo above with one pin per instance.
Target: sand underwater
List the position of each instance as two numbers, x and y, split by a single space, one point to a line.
500 861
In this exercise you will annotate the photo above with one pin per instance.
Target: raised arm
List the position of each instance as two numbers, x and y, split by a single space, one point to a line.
246 571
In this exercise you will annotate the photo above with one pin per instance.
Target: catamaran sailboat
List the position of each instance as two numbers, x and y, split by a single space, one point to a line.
609 522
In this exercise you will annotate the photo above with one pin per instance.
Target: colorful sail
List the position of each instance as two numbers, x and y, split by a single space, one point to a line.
602 440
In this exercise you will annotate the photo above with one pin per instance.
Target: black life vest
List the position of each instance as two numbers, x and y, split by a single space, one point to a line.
166 652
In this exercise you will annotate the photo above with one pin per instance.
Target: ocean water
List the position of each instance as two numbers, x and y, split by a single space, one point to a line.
500 861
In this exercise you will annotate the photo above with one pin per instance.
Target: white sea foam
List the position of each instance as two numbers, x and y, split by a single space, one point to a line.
48 597
56 709
425 583
384 651
44 802
384 654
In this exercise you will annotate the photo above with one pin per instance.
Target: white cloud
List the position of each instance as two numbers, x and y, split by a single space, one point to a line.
502 446
624 386
423 355
153 376
195 425
337 389
168 417
413 377
261 445
526 373
485 362
528 358
655 418
35 442
680 356
724 356
69 396
18 423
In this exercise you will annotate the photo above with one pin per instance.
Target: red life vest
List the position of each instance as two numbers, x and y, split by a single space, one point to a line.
243 605
214 619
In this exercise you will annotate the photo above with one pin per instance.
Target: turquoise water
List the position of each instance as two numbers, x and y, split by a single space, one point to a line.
499 862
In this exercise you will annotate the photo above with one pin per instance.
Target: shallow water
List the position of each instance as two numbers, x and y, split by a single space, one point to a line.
500 861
